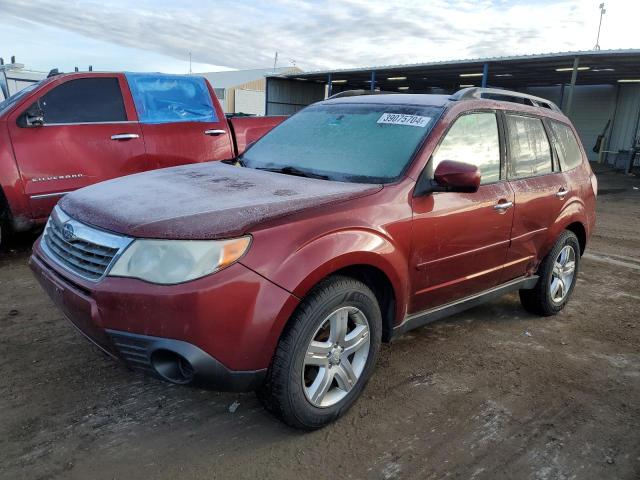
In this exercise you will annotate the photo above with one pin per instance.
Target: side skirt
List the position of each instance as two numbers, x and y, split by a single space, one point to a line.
422 318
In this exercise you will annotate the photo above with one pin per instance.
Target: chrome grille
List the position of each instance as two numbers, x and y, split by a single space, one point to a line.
84 250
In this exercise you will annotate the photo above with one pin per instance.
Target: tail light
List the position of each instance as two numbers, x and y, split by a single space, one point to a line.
594 184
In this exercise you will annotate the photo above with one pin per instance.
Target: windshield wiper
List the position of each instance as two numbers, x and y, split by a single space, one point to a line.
289 170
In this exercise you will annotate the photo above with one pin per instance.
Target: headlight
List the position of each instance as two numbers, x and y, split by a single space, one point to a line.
176 261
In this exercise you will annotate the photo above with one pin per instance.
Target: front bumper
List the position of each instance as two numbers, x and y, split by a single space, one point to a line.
226 326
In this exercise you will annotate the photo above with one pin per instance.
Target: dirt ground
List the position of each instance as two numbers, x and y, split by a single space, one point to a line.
488 394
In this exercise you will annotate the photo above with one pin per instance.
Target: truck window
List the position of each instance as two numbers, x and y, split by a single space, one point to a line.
529 150
171 98
473 139
566 146
85 100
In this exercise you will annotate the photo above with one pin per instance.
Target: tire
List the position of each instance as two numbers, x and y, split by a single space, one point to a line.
545 298
294 385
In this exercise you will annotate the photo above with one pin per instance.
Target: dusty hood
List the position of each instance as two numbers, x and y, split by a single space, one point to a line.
201 201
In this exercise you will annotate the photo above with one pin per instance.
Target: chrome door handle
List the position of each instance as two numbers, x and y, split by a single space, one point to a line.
562 192
503 206
124 136
214 133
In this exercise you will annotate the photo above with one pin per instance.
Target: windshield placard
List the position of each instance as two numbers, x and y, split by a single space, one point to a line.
404 119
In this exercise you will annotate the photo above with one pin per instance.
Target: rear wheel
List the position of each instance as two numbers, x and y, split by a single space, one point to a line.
326 354
558 273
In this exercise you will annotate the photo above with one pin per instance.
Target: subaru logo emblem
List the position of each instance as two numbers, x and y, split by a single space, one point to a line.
68 233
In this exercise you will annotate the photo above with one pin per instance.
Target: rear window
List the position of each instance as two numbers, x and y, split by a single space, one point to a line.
171 98
567 147
364 143
529 150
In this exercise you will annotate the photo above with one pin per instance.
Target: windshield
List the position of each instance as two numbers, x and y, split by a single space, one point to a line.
364 143
16 97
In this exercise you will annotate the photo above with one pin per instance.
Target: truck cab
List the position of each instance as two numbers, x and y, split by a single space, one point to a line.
72 130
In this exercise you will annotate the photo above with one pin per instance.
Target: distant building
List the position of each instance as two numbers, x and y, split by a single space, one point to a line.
243 91
14 77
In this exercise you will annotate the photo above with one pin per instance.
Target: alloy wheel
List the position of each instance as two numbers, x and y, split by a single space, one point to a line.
563 274
336 357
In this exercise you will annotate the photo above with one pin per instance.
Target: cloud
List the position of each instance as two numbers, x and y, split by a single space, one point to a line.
322 34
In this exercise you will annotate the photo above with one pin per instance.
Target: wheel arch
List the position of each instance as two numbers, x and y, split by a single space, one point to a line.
580 231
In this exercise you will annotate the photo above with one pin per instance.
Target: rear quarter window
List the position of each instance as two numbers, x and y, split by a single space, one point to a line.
567 147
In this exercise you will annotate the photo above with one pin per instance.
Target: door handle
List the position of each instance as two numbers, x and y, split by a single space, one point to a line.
503 206
214 133
562 192
124 136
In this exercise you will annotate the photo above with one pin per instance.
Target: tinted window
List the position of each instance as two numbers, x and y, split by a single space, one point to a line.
474 139
529 149
566 145
368 143
171 98
86 100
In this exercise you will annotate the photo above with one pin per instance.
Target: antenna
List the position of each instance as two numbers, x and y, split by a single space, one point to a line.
190 71
602 12
275 62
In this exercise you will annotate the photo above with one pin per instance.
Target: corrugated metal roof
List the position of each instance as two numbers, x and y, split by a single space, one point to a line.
233 78
471 61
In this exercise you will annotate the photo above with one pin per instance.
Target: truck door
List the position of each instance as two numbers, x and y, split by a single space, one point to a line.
181 119
79 131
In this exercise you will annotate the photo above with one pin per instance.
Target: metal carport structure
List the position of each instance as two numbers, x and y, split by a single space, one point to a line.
591 87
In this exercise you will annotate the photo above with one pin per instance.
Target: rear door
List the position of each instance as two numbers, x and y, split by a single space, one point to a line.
181 119
540 192
90 134
460 240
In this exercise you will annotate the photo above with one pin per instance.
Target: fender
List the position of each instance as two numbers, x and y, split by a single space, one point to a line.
307 265
573 212
11 183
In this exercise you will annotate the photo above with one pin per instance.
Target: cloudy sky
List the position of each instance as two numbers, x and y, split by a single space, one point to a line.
158 35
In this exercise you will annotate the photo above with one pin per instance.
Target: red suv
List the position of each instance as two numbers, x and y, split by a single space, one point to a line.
357 219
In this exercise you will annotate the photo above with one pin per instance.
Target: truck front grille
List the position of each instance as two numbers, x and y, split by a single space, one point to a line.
84 250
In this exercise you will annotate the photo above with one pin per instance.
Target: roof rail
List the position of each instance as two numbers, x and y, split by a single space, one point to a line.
357 93
504 95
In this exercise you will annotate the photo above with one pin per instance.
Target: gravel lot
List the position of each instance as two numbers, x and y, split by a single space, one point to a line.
490 393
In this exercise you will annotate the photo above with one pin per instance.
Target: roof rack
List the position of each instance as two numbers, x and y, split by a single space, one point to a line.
503 95
357 93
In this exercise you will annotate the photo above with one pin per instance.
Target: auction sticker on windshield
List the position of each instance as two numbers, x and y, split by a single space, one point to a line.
404 119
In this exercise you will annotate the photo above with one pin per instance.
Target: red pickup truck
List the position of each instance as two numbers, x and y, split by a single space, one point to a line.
72 130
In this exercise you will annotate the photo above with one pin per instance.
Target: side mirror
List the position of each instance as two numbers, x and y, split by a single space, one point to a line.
32 117
457 176
450 176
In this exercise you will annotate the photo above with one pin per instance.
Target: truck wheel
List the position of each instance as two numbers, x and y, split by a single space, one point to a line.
326 354
558 273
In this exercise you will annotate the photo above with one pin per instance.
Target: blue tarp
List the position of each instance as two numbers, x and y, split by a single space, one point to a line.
163 98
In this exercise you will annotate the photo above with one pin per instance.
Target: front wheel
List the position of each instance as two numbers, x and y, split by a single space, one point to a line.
326 354
558 273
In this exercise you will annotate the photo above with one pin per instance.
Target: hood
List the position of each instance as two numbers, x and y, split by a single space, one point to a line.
201 201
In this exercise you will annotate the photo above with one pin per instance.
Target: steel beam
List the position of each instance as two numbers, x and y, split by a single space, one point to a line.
574 77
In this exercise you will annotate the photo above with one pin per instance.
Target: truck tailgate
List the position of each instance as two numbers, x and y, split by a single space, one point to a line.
249 129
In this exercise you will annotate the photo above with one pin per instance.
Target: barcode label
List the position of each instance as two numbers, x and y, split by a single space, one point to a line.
403 119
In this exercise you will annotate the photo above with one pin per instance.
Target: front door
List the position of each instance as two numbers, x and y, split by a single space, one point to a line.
89 135
460 240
